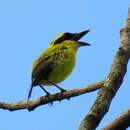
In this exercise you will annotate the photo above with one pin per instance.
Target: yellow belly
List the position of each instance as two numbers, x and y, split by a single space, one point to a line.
62 71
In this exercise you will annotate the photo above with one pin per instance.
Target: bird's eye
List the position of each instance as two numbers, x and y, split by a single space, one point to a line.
63 48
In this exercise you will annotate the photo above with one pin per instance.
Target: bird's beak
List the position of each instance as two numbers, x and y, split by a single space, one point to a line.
77 36
83 43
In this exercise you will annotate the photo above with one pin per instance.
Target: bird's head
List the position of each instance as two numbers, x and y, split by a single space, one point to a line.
70 39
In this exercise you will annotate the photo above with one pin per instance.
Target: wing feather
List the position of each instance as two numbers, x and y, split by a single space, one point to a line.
43 66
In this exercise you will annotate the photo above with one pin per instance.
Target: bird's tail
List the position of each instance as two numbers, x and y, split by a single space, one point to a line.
30 91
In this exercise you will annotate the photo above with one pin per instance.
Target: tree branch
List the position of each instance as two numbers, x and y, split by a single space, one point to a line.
111 84
120 123
31 105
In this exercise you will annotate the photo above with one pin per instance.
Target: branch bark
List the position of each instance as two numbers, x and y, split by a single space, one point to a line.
31 105
112 82
120 123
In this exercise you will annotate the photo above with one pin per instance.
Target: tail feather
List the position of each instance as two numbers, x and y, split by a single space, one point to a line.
30 91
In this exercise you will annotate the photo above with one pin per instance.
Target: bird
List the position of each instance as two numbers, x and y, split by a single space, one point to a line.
56 63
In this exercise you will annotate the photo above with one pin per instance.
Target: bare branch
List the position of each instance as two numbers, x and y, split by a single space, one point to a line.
111 84
31 105
120 123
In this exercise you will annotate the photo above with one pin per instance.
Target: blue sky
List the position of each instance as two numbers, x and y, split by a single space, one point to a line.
26 29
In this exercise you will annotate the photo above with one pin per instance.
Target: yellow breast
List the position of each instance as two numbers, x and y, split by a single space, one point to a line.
65 65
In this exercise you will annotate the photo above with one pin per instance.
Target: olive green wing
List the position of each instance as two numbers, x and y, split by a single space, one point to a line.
43 66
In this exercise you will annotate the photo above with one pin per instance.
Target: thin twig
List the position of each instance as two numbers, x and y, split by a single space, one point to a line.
31 105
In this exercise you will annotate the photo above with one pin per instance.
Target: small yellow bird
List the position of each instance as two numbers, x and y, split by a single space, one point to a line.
56 63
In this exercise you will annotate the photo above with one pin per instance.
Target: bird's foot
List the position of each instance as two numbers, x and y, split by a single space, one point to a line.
62 90
47 98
